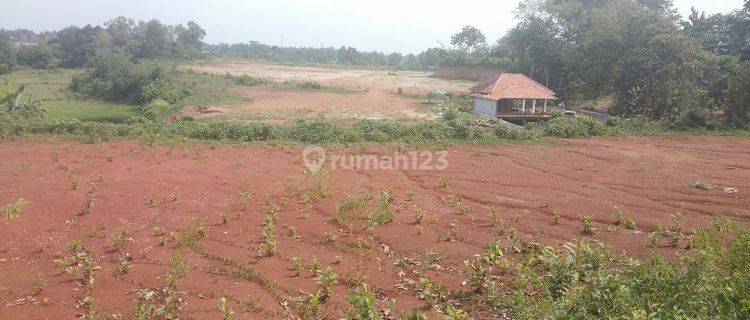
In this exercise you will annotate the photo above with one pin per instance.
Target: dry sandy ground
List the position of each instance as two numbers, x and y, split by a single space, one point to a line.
143 187
372 92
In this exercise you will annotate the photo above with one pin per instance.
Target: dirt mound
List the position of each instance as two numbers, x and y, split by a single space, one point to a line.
460 72
136 207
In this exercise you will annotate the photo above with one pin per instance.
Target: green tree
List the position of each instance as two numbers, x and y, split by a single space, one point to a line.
191 37
737 105
76 45
7 60
469 39
155 40
38 56
121 30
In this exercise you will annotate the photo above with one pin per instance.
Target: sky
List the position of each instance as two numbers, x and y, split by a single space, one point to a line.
407 26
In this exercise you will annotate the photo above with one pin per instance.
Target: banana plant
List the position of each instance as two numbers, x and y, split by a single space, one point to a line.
12 104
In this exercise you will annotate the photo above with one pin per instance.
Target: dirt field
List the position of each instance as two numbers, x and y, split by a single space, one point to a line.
371 94
140 189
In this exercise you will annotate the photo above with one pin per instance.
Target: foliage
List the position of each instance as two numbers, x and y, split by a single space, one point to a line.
578 127
246 80
512 133
7 58
14 106
38 56
577 283
363 301
156 110
737 105
115 77
470 39
13 210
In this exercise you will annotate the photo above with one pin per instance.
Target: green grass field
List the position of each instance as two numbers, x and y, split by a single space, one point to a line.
51 87
208 90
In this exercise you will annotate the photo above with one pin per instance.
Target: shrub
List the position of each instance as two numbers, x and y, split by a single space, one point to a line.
310 85
576 283
246 80
38 56
363 301
14 106
319 131
511 133
380 131
580 126
115 77
156 110
166 90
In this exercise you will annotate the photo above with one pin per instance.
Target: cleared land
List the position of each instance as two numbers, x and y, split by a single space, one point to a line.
346 93
140 190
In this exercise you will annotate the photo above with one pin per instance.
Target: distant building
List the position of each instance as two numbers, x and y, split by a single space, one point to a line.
512 96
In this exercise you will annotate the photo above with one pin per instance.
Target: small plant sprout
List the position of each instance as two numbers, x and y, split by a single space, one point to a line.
417 213
494 216
225 309
618 216
224 218
314 264
90 197
495 257
443 183
244 199
297 266
451 233
73 180
326 279
555 217
123 264
13 210
587 225
329 238
477 276
630 224
121 240
157 231
410 195
268 247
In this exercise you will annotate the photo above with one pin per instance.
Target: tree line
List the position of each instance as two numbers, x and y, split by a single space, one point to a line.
76 47
342 55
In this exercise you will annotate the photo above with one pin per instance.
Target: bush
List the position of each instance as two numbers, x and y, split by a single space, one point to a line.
380 131
37 56
578 127
246 80
14 106
115 77
575 283
511 133
310 85
156 110
319 131
166 90
7 60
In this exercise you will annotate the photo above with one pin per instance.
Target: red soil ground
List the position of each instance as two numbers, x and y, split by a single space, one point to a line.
142 187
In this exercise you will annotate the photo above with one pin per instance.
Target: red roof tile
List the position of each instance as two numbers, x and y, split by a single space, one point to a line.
513 86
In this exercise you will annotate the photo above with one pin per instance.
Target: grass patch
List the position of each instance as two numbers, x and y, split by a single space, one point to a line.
51 87
314 87
207 90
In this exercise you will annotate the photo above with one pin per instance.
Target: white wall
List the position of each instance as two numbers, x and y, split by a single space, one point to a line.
485 107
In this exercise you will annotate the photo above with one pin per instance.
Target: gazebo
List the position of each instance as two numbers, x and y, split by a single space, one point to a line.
512 96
